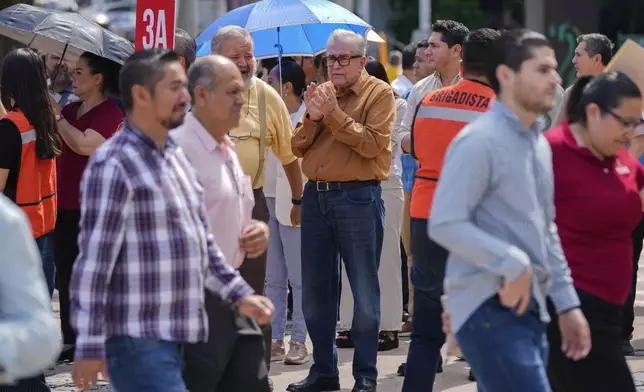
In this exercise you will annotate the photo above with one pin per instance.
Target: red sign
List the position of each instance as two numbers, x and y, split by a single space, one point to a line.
155 21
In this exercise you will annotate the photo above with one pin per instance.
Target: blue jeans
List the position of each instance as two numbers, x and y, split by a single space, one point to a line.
347 224
144 365
284 266
507 353
46 248
427 337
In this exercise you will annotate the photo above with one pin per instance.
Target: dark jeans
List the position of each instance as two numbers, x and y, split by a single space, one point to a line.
507 353
65 253
347 224
254 270
46 248
137 365
629 311
36 384
605 368
427 337
405 277
233 357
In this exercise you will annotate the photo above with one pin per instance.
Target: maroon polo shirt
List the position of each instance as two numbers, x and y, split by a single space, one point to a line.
598 205
104 118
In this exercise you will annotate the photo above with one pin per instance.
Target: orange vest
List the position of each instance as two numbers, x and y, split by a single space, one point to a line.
439 118
36 190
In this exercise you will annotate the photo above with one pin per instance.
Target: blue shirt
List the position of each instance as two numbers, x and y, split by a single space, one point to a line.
494 211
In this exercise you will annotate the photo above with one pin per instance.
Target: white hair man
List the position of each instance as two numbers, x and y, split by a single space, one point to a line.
264 123
345 142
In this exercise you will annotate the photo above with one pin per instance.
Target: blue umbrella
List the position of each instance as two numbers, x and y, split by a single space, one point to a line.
297 27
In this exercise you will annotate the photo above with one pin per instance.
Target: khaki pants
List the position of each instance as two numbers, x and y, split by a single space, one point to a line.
406 236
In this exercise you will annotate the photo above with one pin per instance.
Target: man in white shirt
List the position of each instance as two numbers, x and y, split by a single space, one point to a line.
407 79
233 357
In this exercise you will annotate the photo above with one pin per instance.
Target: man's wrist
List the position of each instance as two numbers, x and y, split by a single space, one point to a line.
296 202
309 117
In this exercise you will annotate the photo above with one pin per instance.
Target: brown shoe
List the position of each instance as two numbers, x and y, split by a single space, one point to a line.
298 354
406 327
278 352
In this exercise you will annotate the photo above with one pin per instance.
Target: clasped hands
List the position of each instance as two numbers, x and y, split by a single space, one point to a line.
320 101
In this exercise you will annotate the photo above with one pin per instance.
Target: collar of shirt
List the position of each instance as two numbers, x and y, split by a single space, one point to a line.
136 135
191 122
571 142
297 116
500 108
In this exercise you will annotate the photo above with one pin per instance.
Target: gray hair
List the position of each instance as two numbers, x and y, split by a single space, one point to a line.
228 32
348 36
203 72
598 44
395 57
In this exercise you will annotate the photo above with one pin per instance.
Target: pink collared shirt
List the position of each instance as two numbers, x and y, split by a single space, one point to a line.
228 191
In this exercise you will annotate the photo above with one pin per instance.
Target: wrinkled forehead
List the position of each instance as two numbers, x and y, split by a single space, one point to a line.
342 47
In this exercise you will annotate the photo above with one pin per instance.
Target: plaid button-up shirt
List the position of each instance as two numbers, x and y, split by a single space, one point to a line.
146 251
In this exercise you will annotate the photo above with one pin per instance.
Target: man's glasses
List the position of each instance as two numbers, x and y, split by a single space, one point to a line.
343 60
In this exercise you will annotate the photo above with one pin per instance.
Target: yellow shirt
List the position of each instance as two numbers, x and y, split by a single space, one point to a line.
392 72
278 132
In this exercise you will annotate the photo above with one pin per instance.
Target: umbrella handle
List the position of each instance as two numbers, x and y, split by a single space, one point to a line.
52 85
279 60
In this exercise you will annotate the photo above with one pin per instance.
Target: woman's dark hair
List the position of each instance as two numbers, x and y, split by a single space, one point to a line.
108 68
23 79
294 74
606 90
377 70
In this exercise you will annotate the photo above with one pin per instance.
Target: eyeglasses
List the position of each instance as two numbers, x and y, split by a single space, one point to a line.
343 60
234 177
627 123
250 135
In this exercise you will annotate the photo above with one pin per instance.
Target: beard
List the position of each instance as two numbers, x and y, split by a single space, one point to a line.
173 122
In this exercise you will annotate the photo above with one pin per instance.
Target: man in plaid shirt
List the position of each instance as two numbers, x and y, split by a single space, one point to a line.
146 251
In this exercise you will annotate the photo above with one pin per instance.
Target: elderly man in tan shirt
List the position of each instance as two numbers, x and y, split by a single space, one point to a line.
345 142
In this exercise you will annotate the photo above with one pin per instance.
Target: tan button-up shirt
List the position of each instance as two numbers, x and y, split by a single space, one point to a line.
354 142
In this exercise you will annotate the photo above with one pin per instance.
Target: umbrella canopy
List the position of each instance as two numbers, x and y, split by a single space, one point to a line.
301 27
57 32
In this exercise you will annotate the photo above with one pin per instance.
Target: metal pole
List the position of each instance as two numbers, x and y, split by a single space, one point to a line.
188 16
279 60
425 15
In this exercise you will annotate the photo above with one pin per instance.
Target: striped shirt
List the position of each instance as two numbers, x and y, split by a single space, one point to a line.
146 251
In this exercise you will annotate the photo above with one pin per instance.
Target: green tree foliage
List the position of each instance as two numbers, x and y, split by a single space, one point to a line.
404 15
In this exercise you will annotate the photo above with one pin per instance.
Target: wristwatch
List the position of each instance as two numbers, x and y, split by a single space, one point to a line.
296 202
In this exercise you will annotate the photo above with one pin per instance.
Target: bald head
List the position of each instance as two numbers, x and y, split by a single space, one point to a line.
208 70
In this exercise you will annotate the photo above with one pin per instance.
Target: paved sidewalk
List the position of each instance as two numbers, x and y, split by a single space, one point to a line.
453 379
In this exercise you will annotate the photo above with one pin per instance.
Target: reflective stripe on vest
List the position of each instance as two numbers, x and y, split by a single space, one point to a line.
36 187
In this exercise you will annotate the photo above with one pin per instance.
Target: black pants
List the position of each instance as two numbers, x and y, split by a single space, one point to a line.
254 270
233 358
65 253
629 311
605 368
405 277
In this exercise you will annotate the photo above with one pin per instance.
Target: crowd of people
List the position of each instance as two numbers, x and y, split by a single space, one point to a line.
185 208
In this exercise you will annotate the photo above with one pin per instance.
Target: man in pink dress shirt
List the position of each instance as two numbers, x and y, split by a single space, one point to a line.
233 357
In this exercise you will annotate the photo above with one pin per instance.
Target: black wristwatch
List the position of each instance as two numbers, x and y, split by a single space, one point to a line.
296 202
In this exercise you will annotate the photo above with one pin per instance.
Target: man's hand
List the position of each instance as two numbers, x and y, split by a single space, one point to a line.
575 334
258 308
296 212
254 239
312 106
447 320
327 94
516 294
85 372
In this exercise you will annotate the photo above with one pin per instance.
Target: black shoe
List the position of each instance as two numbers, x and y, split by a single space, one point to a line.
364 385
401 369
405 317
627 348
471 376
439 369
315 384
66 355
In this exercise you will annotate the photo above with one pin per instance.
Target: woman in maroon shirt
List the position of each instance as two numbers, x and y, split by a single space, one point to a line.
84 126
597 196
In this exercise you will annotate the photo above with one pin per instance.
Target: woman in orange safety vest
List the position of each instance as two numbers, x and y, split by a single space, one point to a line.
29 145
